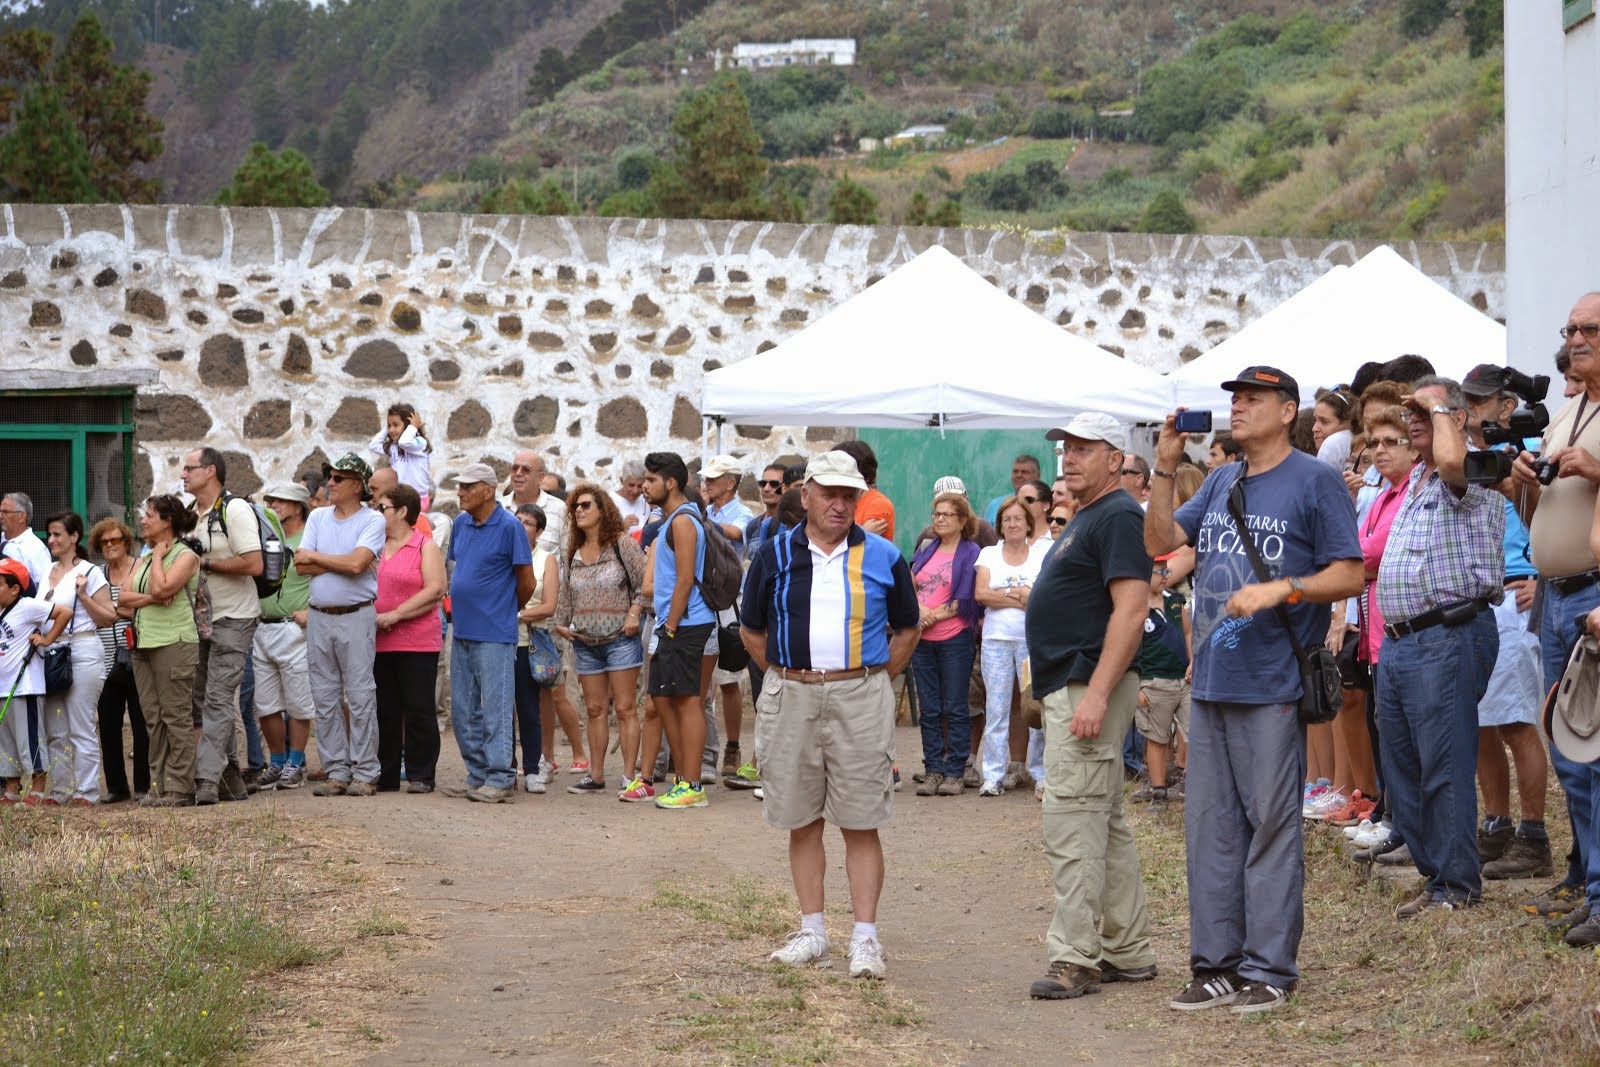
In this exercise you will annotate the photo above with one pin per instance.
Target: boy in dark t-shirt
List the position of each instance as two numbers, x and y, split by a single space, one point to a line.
1164 681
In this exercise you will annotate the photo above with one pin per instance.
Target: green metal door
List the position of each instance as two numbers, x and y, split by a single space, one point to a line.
68 451
910 461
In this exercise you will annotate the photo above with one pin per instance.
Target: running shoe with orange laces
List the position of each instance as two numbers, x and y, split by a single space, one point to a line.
1355 809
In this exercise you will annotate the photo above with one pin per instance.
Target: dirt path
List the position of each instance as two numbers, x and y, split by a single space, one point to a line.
546 936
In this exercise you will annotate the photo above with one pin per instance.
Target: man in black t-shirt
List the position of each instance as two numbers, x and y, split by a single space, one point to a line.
1085 621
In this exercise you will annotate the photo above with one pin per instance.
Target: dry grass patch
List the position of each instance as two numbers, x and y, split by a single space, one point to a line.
187 937
730 1006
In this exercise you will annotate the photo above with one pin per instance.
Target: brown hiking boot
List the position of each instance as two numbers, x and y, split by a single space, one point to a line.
930 784
1523 858
1493 844
331 788
232 785
952 787
730 762
1065 981
360 789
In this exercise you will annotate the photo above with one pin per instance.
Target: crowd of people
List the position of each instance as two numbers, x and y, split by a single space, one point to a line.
1131 621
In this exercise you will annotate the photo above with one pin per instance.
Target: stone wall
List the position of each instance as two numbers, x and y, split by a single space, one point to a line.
280 336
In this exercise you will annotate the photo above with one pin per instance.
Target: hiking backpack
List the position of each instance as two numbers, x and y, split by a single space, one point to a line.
723 575
274 556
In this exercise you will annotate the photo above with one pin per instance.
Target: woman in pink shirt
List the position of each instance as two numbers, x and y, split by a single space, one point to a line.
946 570
411 582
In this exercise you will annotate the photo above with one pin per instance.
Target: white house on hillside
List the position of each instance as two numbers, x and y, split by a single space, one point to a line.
802 52
1552 79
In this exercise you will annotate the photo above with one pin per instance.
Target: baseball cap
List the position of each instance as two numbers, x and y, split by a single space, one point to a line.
720 465
17 570
1575 726
477 472
832 468
1484 380
1265 378
949 484
1092 426
350 463
291 491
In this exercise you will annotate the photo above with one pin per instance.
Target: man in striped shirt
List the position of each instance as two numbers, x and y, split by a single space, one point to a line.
830 615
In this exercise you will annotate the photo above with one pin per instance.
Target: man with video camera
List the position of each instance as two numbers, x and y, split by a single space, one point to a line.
1569 461
1508 715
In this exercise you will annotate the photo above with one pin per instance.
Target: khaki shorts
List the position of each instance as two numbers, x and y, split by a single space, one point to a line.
1163 702
826 751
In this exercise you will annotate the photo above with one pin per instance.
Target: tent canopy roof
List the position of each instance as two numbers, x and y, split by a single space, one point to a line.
933 343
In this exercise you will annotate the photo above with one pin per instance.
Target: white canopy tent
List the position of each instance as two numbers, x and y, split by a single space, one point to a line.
1381 308
932 344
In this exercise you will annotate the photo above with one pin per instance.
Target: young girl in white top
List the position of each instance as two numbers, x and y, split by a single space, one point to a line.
408 452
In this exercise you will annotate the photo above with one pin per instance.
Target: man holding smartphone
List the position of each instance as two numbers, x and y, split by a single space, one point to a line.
1247 752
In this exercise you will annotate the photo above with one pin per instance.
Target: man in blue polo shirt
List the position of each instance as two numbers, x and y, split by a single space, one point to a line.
492 578
820 602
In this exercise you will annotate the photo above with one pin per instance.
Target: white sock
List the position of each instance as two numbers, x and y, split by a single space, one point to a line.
813 923
867 931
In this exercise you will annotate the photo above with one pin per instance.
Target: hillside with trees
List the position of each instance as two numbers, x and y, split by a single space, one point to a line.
1378 118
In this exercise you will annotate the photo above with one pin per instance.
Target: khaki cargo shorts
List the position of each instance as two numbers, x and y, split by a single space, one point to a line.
1163 702
826 751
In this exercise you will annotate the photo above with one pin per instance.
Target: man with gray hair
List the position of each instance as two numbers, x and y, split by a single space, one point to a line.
526 487
17 539
629 496
1442 572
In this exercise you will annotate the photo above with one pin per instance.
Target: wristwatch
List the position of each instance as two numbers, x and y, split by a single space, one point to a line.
1439 409
1297 591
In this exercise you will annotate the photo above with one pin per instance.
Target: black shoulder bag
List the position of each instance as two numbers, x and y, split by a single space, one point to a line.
1320 683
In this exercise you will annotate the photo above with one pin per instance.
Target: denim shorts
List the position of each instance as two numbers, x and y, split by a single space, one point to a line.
618 654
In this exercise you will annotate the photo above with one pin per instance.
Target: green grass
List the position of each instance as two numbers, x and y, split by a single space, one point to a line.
141 946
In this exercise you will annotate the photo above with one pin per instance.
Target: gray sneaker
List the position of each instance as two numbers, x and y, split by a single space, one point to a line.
292 777
271 774
488 794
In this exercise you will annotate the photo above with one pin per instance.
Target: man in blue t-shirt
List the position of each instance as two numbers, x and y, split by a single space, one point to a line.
492 578
1247 748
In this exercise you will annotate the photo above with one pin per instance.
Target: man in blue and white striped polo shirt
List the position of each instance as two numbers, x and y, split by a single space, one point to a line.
830 614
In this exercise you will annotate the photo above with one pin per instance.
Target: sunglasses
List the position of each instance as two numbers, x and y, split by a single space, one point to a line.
1028 499
1590 330
770 485
1389 442
1056 520
1130 472
111 541
583 505
337 477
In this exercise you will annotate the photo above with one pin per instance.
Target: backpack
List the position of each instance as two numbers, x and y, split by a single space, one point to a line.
274 556
723 574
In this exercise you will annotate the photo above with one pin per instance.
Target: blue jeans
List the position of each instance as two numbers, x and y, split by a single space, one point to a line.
943 673
1560 624
255 751
1429 685
481 705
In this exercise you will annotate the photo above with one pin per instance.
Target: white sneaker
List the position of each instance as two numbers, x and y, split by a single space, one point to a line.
990 789
546 770
1350 832
866 958
1323 803
760 793
803 947
534 783
1374 837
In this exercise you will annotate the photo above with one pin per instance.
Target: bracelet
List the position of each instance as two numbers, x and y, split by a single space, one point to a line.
1159 473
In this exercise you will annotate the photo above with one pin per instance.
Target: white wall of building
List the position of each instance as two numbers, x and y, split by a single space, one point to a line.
1552 175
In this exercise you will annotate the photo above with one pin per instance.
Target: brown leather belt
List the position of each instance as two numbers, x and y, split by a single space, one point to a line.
789 674
348 609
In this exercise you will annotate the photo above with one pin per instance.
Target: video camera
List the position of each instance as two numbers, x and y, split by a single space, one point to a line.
1493 465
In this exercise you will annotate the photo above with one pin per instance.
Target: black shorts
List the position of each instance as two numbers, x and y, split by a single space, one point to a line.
675 664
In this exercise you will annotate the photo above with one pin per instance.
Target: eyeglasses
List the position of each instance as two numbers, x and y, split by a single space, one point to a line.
12 511
1590 330
1390 442
1028 499
1058 520
385 508
944 514
583 505
187 467
765 484
1081 450
522 467
104 541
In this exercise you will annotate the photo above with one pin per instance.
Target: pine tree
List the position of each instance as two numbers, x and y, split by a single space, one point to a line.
44 159
273 179
717 167
107 102
852 204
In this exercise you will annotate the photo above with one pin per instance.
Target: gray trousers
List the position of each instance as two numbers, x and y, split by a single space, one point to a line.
1242 797
340 650
216 694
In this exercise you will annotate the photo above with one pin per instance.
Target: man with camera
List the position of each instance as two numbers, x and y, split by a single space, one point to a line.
1247 746
1563 478
1442 572
1508 717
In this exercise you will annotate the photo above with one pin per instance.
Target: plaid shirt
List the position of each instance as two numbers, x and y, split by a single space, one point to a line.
1442 550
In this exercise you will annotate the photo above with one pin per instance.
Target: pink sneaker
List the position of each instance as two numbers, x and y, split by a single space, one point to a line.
579 767
638 790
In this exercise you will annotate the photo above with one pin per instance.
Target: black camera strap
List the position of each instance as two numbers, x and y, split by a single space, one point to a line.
1236 509
1579 426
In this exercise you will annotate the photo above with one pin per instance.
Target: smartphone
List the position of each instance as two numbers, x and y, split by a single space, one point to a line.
1194 422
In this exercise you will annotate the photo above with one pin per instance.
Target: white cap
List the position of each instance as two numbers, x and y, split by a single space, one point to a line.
721 465
1092 426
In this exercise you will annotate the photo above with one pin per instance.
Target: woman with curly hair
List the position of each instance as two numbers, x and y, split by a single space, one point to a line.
598 609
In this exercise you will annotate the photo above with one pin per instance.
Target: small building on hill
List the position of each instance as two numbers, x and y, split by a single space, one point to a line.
800 52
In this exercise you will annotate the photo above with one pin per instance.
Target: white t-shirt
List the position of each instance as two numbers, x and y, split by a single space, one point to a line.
639 509
555 519
327 533
1009 624
27 549
27 617
65 593
233 596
